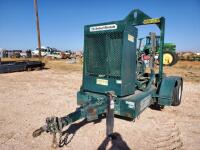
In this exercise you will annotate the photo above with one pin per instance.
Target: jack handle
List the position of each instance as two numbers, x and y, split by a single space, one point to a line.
110 113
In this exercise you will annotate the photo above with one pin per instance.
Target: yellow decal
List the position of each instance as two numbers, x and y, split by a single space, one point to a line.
102 82
130 38
151 21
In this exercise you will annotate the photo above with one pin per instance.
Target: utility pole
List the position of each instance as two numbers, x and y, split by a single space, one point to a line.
38 27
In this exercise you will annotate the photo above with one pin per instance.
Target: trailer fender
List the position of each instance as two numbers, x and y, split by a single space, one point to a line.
166 89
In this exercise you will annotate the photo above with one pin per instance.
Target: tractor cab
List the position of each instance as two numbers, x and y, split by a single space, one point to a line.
149 41
145 43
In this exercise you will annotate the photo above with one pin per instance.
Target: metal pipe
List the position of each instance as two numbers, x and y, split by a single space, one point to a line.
152 78
162 34
110 114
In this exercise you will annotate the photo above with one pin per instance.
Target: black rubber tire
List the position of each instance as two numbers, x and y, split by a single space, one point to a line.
177 94
156 106
174 55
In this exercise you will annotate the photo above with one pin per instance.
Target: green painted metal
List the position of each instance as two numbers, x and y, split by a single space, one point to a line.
162 35
110 79
96 41
165 96
170 47
136 18
108 56
128 106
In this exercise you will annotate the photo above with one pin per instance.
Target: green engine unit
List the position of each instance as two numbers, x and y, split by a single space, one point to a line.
110 58
111 84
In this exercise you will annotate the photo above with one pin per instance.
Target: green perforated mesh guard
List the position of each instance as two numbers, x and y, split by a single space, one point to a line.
104 53
109 58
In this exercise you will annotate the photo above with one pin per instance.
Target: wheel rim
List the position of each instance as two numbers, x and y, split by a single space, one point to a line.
179 92
167 58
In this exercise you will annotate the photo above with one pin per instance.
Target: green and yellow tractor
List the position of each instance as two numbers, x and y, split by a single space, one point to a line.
169 50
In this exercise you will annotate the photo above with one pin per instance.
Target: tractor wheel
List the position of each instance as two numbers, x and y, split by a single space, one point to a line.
177 94
169 58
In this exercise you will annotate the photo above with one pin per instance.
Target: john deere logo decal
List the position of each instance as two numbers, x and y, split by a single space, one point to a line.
103 27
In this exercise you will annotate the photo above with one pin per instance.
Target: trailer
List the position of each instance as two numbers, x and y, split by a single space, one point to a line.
16 66
115 82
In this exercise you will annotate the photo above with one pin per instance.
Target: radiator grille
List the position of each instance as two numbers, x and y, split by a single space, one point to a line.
103 53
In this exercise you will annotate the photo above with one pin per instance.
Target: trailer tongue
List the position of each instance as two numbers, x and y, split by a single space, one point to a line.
114 80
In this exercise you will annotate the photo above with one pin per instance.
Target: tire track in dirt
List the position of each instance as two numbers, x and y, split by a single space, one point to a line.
167 136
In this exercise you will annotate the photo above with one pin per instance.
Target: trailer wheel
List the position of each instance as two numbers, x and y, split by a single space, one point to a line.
177 94
157 106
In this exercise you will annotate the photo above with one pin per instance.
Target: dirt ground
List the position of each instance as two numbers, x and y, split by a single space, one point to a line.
27 98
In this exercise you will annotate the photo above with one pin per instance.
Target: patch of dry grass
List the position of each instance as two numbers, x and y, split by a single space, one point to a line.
21 59
188 65
189 70
63 65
